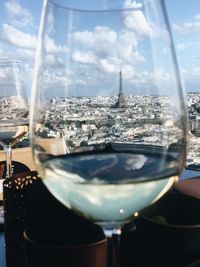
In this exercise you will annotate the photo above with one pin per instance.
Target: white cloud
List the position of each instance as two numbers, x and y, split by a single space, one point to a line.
3 75
18 15
132 4
190 46
146 79
191 78
195 71
85 38
58 78
18 38
104 40
189 27
84 57
197 16
52 47
1 52
54 61
128 71
134 57
128 38
162 75
110 51
137 22
182 46
101 38
107 66
6 75
26 53
103 51
50 21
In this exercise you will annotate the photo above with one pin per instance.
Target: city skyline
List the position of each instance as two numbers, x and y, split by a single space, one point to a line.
94 120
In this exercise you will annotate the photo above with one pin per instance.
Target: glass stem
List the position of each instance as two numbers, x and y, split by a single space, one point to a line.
113 246
8 151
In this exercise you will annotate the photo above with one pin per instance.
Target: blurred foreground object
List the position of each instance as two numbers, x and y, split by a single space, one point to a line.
189 186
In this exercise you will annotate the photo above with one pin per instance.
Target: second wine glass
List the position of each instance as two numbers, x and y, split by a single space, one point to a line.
106 79
14 113
14 110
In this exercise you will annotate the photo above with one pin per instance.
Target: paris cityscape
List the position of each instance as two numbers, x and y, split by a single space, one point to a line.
84 121
89 120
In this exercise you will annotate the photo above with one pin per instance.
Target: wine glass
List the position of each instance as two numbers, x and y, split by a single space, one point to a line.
106 79
14 111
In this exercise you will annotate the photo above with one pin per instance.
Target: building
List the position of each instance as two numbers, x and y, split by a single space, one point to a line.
121 102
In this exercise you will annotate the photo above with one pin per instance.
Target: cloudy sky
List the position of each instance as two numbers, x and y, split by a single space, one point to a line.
19 21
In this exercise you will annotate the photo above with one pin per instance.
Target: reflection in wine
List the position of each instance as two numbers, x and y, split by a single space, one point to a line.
125 179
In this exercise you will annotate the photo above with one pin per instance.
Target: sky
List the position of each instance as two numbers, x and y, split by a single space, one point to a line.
19 24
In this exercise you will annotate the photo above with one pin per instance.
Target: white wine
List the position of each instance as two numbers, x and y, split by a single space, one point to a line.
12 131
108 185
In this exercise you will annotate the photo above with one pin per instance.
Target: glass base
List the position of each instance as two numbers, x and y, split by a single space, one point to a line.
110 225
1 215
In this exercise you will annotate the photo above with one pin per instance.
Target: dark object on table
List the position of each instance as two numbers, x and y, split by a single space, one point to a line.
17 167
170 230
14 210
190 187
194 264
44 248
28 205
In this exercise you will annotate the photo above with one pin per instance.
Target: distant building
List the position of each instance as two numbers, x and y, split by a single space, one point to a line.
121 102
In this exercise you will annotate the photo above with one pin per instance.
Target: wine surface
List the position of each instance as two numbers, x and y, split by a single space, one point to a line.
109 185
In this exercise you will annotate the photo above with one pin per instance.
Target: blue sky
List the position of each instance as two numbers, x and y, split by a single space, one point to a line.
19 21
185 20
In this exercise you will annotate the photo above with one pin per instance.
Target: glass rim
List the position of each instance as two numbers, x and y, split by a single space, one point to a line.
92 10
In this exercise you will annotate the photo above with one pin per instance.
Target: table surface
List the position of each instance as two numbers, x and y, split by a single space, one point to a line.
2 251
186 174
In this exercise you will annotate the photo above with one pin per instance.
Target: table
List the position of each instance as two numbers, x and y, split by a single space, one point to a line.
186 174
2 251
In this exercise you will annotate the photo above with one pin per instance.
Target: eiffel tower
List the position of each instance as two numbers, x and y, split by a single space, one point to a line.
121 102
